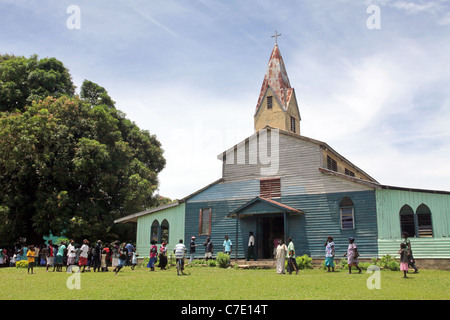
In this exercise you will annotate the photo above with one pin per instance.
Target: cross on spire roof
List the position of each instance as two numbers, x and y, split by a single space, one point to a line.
276 35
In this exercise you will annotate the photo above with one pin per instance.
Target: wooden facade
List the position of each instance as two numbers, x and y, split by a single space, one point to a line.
303 187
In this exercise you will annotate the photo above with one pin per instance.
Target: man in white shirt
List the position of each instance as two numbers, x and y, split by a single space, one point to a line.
180 250
251 247
71 253
84 251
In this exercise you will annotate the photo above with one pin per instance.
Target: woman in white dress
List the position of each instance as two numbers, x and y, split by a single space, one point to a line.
281 256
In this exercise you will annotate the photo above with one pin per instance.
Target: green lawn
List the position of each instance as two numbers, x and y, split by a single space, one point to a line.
212 283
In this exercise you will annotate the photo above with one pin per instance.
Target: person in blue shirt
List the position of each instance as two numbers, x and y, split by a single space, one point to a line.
227 245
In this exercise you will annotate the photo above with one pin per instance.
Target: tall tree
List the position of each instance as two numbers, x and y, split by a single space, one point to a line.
69 164
24 80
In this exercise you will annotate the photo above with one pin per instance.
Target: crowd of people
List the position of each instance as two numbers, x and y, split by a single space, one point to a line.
98 257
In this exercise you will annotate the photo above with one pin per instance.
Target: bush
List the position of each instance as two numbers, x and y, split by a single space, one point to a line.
387 262
223 260
393 265
22 264
343 264
211 263
304 262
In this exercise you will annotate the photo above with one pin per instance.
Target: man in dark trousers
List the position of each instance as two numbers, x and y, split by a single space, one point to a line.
97 255
192 247
251 247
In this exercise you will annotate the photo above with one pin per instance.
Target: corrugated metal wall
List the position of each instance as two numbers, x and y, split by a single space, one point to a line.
175 217
322 219
309 232
303 187
389 203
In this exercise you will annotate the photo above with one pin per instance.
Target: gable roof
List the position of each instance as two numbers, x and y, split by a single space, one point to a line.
322 144
260 205
134 217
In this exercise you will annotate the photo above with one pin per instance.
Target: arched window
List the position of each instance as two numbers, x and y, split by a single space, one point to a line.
346 208
154 231
407 221
424 225
165 231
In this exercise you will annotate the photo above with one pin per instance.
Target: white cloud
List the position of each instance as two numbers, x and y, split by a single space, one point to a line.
415 8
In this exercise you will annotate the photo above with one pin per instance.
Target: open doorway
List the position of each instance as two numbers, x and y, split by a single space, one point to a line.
270 229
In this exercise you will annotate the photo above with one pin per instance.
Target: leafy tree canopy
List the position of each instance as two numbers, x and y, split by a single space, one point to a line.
24 80
70 164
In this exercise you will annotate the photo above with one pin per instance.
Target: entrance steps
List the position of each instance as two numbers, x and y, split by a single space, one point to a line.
260 264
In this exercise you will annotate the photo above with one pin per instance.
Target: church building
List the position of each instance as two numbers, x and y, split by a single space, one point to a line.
278 183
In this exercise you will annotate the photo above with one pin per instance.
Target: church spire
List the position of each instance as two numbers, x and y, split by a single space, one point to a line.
276 78
277 105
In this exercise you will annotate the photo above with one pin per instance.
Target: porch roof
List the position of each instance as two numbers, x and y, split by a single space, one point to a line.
258 206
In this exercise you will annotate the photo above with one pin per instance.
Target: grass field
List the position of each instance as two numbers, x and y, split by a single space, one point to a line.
213 283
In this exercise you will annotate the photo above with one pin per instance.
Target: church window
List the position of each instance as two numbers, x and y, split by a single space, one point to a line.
270 188
331 164
407 223
293 129
349 173
154 231
165 231
269 102
346 208
424 225
205 221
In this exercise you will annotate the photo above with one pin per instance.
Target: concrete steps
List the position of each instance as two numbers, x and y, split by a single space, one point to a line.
261 264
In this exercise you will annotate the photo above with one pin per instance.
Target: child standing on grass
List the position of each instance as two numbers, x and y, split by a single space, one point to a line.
134 259
404 260
30 255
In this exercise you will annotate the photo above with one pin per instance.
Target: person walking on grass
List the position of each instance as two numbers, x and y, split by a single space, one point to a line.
71 253
134 256
153 255
352 255
50 255
97 255
280 256
404 260
192 247
31 255
84 253
209 248
60 257
123 255
292 264
180 251
411 261
329 254
163 256
227 246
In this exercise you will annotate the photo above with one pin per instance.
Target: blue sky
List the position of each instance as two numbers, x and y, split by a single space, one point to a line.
190 72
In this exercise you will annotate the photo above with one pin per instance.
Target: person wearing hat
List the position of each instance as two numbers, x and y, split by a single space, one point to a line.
192 249
352 255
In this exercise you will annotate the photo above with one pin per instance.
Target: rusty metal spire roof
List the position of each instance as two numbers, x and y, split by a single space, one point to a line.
277 79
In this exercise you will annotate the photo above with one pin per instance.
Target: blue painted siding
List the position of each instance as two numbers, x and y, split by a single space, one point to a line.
322 219
230 190
309 231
